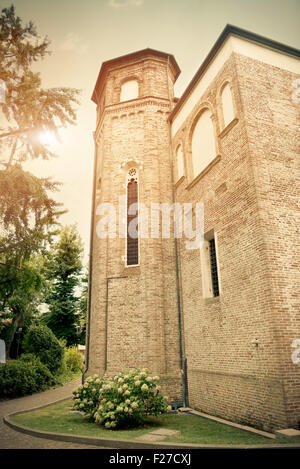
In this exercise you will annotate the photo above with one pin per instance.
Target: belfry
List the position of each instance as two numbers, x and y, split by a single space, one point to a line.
135 289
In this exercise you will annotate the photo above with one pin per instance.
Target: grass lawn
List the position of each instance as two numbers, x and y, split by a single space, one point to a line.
58 418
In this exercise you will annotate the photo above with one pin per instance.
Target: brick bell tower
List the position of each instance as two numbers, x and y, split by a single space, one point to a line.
133 305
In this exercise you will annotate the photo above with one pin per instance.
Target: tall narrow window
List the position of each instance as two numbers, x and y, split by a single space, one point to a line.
132 219
129 90
213 267
227 105
209 266
180 166
203 143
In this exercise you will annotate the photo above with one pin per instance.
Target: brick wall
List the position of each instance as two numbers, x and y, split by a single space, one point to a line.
249 201
237 345
273 128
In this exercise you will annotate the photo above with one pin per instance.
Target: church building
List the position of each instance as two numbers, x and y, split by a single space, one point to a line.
219 319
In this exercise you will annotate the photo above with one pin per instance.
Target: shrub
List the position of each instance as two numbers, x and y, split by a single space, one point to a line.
40 341
86 398
73 359
29 358
24 376
122 400
43 376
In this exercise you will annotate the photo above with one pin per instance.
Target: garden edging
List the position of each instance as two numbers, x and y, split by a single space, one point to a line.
117 443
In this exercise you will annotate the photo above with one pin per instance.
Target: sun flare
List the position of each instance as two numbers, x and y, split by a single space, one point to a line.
47 137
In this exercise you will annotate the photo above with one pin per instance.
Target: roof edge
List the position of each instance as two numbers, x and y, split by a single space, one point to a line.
227 31
123 58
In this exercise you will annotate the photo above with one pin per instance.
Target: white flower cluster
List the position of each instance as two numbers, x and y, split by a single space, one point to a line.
126 397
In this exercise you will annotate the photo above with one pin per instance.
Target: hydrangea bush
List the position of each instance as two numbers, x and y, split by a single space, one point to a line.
124 399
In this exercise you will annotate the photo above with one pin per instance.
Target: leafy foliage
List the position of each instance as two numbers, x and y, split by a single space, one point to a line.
28 108
41 342
63 269
26 376
122 400
73 359
20 287
28 216
82 308
16 49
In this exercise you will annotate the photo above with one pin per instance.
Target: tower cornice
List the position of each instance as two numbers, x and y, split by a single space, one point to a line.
134 56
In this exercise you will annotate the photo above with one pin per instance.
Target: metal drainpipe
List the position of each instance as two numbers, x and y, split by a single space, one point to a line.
182 367
90 267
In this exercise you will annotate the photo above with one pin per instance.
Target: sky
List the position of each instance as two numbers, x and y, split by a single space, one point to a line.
85 33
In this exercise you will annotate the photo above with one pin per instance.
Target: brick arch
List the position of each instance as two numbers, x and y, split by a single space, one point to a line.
127 79
133 76
192 123
226 82
195 116
178 172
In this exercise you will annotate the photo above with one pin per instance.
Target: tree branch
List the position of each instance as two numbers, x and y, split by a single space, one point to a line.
17 132
12 154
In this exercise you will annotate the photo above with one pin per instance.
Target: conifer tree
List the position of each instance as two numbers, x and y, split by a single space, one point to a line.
63 269
83 305
28 108
28 216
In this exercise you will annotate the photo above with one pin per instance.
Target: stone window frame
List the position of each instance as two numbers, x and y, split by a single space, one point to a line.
193 119
129 178
207 288
179 179
179 139
126 166
125 80
225 129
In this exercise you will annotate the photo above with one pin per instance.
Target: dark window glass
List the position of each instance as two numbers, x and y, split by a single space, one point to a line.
132 243
213 266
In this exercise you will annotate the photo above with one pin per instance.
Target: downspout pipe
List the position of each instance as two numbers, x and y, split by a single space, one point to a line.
182 364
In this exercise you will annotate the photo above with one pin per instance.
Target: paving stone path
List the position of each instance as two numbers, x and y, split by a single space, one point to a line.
10 439
158 435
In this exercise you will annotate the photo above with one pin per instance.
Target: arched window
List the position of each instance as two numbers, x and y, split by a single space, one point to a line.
129 90
132 218
203 143
227 105
180 165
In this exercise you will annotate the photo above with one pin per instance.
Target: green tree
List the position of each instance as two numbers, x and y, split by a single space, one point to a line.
28 108
40 341
63 269
82 308
19 289
28 216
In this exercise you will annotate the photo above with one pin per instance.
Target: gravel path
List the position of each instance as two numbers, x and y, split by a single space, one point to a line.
10 439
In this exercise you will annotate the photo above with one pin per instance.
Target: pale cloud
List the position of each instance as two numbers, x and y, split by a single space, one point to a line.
124 3
73 42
